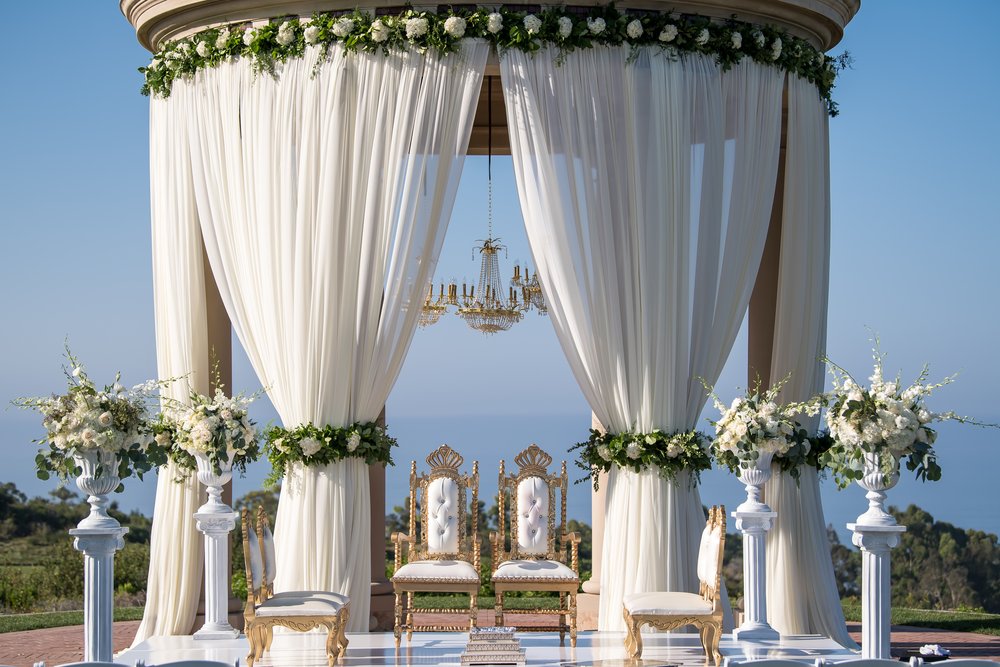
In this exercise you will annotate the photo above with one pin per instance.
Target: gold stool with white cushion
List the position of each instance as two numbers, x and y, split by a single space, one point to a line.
297 610
542 556
444 557
670 610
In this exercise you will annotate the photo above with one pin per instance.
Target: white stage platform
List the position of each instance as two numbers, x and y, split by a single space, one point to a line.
444 648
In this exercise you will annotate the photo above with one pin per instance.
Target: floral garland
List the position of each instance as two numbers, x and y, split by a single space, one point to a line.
805 451
87 419
321 445
219 429
505 28
670 453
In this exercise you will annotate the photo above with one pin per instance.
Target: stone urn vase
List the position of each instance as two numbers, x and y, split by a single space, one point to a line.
754 479
876 482
98 478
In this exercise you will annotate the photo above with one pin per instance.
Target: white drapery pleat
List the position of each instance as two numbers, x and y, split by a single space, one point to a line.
324 193
175 553
804 598
646 188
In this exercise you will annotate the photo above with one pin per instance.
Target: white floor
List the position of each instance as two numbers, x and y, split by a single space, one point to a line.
593 648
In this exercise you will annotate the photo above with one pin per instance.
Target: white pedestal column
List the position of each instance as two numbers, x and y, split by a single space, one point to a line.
875 541
216 524
754 526
98 546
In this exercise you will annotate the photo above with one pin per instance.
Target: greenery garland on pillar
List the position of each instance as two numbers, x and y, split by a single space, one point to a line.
566 29
668 453
313 445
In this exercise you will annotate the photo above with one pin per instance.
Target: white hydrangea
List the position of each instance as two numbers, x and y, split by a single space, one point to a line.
669 33
737 40
633 450
286 33
604 452
311 34
310 446
532 24
222 39
455 26
702 38
202 49
415 28
353 441
758 37
343 27
776 48
248 36
634 29
565 26
596 26
494 23
380 31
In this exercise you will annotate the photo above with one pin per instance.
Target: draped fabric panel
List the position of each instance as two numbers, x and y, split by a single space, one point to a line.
175 559
646 186
804 598
324 193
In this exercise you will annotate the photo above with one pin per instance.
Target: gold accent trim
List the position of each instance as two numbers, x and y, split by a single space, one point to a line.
709 625
533 461
260 630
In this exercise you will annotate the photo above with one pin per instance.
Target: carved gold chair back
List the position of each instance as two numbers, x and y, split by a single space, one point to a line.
710 554
445 531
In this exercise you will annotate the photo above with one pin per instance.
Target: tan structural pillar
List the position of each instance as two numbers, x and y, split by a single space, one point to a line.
382 599
588 603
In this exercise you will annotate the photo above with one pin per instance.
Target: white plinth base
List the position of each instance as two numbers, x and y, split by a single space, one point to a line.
225 631
754 526
755 632
875 542
98 546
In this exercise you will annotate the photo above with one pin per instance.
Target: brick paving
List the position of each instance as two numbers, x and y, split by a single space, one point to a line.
59 645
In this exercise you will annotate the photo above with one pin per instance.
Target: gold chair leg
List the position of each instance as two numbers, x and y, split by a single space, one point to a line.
254 637
268 637
498 608
397 630
409 616
633 638
473 610
562 619
344 616
332 650
715 636
572 619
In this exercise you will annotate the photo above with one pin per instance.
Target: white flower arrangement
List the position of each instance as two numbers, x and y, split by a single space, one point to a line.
113 420
756 426
455 26
416 27
442 32
667 453
596 26
565 26
322 445
218 429
532 24
883 423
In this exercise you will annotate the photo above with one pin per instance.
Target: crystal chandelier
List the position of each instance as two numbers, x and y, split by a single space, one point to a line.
489 306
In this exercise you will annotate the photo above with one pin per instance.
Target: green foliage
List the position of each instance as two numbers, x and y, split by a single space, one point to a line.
322 445
506 28
668 453
58 619
958 620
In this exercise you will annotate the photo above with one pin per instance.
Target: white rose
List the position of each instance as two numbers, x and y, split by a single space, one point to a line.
596 26
353 441
286 33
565 26
776 49
532 24
737 40
634 29
343 27
702 38
633 450
105 419
184 47
312 34
163 439
416 27
220 41
455 26
59 441
226 414
310 446
604 452
494 23
669 33
88 435
380 31
248 36
202 49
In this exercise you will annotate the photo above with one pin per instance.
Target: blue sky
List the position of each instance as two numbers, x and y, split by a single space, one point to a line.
915 162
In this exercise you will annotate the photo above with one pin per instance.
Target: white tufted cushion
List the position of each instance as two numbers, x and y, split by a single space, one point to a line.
666 604
533 516
436 570
270 564
256 567
303 605
513 570
703 553
442 516
325 595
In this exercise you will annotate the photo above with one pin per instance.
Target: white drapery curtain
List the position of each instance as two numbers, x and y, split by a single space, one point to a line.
324 193
646 188
175 554
804 598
